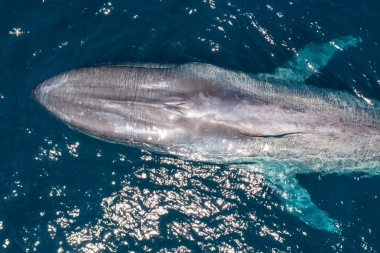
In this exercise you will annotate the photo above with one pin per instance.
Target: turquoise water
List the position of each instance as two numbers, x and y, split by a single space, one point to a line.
62 191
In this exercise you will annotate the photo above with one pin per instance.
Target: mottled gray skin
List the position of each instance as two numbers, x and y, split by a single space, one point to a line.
207 113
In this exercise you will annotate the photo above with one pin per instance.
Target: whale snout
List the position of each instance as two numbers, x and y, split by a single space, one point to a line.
41 92
47 94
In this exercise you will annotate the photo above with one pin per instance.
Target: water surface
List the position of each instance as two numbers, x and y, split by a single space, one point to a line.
62 191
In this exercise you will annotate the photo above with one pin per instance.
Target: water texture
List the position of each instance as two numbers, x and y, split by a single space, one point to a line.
62 191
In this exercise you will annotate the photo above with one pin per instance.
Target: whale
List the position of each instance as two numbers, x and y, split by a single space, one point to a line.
272 123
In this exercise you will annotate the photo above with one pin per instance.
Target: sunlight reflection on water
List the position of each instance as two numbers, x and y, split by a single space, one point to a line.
173 200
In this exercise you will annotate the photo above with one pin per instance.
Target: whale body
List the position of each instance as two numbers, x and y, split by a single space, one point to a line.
273 124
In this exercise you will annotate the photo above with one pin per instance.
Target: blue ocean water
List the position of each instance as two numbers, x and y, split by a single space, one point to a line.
62 191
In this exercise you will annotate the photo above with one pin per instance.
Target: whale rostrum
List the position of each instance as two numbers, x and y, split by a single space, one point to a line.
273 123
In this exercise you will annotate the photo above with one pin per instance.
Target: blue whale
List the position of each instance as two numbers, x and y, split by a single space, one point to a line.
270 123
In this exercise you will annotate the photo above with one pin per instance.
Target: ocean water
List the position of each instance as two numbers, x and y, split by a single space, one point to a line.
63 191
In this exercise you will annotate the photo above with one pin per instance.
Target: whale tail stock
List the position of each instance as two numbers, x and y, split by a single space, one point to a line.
308 61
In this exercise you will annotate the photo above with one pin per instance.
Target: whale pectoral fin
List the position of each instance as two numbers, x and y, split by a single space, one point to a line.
296 199
308 61
298 202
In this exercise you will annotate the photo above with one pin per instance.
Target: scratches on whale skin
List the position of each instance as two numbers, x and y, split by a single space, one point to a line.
175 108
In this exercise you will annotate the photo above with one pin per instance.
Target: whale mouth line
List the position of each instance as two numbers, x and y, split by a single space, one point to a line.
272 135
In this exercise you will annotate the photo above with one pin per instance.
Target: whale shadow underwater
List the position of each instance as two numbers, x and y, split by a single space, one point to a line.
269 123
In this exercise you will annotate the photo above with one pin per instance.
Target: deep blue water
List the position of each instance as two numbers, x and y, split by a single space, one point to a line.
62 191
